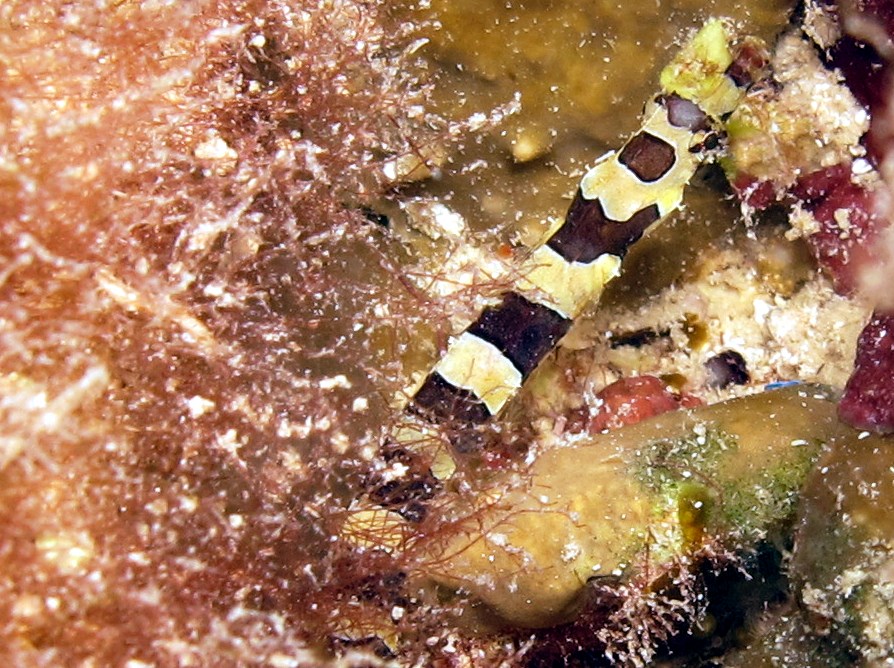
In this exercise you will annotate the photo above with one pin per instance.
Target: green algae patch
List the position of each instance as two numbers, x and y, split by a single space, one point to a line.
709 480
652 493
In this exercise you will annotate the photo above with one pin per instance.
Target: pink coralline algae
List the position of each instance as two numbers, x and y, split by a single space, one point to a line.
845 216
848 224
631 400
868 401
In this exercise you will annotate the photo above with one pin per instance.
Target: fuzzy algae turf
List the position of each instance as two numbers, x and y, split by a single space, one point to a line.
641 497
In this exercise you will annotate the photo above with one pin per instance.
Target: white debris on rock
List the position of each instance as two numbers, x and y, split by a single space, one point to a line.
809 335
809 121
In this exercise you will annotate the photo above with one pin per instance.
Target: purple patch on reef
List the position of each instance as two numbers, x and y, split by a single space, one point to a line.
868 401
832 197
866 71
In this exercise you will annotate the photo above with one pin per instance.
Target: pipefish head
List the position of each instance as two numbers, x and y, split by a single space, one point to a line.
714 68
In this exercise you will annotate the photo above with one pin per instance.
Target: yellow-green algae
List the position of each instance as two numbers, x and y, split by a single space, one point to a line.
602 505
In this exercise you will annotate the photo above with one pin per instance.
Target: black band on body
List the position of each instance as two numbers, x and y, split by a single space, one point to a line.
440 400
407 495
647 156
588 233
523 331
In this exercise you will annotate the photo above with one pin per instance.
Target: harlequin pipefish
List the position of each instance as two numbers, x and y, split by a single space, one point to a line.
623 195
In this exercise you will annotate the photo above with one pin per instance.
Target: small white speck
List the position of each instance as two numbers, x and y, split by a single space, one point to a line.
861 166
198 406
335 381
862 435
138 558
761 310
498 539
477 121
229 441
214 148
279 660
214 290
570 552
451 222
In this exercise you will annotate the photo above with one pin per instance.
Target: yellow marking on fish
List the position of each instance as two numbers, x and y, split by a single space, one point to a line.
698 72
474 364
566 287
623 194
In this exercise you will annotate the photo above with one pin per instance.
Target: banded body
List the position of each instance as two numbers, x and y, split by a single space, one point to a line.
624 194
